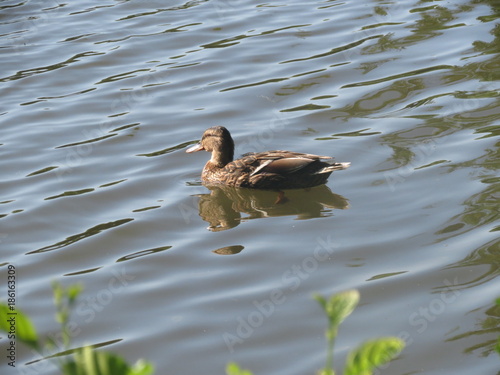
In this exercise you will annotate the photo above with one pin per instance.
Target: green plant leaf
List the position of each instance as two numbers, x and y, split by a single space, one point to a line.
233 368
73 291
91 362
321 300
62 316
371 354
58 292
141 367
326 372
339 306
88 361
23 329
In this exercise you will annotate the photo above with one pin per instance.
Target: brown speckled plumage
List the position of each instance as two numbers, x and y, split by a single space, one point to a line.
262 170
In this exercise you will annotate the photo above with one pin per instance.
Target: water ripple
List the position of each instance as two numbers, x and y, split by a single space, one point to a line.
100 100
81 236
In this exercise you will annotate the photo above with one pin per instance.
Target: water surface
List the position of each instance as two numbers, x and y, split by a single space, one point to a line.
99 103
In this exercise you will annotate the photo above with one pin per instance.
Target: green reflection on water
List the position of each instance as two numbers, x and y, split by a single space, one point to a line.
486 257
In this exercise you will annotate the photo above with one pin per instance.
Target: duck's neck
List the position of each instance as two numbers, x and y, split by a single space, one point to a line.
220 158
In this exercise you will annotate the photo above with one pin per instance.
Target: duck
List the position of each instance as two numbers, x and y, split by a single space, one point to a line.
270 170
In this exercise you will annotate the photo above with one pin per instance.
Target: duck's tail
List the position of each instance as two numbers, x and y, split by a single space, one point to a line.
334 167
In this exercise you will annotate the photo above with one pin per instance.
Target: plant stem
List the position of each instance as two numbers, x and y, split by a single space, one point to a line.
329 356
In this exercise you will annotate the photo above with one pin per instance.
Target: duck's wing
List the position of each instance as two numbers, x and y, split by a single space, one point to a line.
282 166
282 162
280 154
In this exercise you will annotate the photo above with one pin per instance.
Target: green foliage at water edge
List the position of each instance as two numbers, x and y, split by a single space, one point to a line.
85 361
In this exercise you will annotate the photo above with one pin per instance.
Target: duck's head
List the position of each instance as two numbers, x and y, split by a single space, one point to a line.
219 142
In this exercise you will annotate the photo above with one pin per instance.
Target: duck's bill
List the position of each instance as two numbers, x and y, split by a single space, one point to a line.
196 147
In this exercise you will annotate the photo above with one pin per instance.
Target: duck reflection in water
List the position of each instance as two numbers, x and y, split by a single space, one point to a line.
224 206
